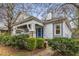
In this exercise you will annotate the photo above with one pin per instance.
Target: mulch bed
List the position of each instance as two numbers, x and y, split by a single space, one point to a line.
9 51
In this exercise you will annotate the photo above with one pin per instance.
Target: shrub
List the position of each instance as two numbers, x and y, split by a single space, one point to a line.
64 46
14 41
19 41
40 42
31 43
6 39
22 41
24 35
1 39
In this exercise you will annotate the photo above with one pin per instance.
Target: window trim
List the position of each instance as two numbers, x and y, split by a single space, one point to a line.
55 29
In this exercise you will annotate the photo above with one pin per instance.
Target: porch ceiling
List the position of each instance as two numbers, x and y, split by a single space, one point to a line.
38 26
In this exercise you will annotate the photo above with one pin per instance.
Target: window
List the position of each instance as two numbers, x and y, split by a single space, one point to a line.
57 28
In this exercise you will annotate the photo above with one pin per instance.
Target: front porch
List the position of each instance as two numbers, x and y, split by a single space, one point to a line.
33 29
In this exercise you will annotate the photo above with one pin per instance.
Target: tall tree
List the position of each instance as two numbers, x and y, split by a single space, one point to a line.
74 19
7 14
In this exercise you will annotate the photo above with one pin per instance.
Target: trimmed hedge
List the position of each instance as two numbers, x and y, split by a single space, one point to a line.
6 40
40 42
14 41
19 41
31 43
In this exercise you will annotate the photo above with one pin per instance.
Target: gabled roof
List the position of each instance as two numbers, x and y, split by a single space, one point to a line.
28 19
24 17
54 20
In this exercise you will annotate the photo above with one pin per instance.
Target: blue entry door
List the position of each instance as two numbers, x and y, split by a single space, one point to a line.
39 32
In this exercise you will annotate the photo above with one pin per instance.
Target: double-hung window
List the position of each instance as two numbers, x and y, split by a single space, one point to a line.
58 29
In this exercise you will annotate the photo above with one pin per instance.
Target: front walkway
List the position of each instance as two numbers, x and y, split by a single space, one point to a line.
46 52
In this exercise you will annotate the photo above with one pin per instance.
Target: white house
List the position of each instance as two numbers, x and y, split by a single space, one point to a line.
56 27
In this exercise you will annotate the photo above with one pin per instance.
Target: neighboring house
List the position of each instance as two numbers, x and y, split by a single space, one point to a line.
3 30
47 29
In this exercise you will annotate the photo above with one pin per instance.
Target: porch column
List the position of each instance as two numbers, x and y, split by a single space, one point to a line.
33 32
14 31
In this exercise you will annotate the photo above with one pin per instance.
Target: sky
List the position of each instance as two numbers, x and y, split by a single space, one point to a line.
39 10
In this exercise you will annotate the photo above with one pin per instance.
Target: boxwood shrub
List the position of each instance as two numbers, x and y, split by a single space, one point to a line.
6 39
1 36
40 42
31 43
18 41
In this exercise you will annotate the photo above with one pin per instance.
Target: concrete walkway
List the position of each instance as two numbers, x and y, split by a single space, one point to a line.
46 52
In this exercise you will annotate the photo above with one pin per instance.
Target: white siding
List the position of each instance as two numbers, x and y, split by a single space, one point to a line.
48 31
66 31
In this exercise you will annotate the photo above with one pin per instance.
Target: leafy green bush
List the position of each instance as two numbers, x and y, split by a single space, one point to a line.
31 43
40 42
24 35
1 39
14 41
18 41
5 39
64 46
22 42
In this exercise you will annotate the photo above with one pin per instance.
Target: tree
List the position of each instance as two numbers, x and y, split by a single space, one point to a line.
74 19
8 15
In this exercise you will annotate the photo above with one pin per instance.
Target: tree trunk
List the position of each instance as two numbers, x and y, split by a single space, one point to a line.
9 29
